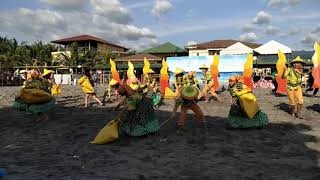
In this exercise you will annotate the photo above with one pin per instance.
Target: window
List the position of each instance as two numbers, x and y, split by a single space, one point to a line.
212 52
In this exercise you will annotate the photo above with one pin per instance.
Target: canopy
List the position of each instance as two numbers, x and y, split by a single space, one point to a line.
237 48
272 47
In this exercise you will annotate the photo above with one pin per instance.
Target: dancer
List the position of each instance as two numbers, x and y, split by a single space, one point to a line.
310 84
88 87
35 96
109 91
179 82
124 91
137 117
238 118
189 95
191 79
294 90
208 84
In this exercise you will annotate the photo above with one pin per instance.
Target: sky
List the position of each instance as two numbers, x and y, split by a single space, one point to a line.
140 24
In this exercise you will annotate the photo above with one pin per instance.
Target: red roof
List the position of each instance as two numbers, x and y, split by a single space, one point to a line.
217 44
85 38
140 57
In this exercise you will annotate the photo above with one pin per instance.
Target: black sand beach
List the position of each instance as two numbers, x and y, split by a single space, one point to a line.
59 149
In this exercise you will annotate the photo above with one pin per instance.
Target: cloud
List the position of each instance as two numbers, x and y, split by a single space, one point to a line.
316 30
47 25
66 4
190 43
291 32
276 3
271 30
112 10
262 18
248 28
134 33
294 2
161 7
283 4
310 39
249 37
38 23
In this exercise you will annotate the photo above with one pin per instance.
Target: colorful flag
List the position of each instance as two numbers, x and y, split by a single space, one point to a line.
281 65
214 69
316 67
247 73
114 72
146 66
164 77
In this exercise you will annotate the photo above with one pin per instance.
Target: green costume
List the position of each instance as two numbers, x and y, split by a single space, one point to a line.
190 81
294 78
139 117
207 78
42 84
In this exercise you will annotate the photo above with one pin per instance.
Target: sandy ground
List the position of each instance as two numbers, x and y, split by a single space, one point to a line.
59 149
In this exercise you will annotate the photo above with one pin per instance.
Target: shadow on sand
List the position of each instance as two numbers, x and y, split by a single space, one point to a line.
284 107
315 107
60 149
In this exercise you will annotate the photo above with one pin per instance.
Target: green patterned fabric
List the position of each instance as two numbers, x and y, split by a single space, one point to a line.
141 120
238 119
34 108
156 99
151 126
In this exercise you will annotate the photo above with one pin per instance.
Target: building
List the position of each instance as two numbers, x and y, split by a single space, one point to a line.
86 42
139 59
212 47
166 50
267 54
91 43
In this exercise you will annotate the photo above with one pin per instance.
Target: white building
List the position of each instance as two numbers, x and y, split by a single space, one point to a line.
216 46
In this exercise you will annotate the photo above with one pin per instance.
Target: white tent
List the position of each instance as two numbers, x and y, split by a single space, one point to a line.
272 47
237 48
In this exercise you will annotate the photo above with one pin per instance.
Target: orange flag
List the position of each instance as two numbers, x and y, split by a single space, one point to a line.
247 73
316 67
164 77
114 72
281 64
214 70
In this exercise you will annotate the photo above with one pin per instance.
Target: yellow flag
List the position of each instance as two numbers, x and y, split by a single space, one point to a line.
281 64
248 66
164 69
130 71
316 57
115 74
146 66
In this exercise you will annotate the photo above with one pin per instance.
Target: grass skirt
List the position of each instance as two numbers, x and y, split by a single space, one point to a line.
33 108
142 129
238 119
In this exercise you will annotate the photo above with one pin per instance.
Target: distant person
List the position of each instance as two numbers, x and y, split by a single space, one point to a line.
274 81
310 82
294 86
87 84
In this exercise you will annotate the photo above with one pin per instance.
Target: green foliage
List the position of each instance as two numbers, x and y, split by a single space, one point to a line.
14 54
